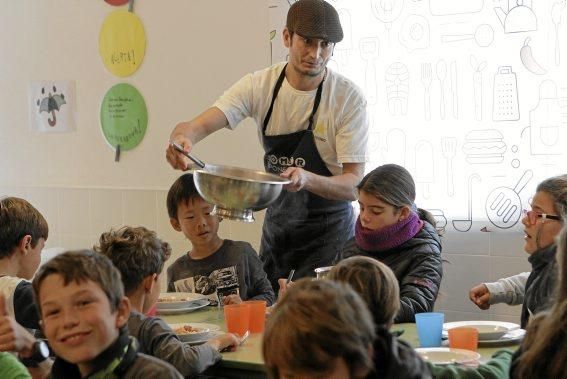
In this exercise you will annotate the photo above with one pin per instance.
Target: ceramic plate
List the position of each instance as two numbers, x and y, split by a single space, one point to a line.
446 356
204 339
177 300
487 330
192 307
199 331
510 338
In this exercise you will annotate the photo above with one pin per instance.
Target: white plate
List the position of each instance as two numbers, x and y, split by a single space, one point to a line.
206 330
487 330
510 338
175 311
179 300
446 355
206 338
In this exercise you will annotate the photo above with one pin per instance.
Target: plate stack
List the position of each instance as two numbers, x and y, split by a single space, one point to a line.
491 333
172 303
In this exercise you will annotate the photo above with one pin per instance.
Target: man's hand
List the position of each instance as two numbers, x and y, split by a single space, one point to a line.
299 179
13 336
231 299
480 296
177 160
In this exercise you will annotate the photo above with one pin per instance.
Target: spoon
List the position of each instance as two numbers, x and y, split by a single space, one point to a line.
178 147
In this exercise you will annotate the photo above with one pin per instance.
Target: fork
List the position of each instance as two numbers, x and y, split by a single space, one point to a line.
426 78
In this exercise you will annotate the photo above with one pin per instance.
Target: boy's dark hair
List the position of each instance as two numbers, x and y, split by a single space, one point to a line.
183 189
80 266
19 218
136 252
315 322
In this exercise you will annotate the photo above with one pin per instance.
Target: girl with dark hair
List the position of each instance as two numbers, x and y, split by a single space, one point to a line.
392 230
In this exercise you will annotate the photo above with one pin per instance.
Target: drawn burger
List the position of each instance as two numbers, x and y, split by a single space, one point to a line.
484 146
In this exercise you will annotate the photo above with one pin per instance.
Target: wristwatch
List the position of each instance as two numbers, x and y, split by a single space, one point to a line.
40 352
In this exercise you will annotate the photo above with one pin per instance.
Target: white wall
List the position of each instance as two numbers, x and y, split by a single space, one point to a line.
195 49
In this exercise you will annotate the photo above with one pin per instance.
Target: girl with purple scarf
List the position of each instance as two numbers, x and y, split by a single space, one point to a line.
392 230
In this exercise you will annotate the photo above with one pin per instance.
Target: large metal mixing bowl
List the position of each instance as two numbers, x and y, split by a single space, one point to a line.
237 192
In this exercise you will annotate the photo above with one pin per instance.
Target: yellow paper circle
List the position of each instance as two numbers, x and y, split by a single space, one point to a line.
122 43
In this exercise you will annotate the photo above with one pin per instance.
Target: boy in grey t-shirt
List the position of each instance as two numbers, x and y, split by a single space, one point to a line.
223 270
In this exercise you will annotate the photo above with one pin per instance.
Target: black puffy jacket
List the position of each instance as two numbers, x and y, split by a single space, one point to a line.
418 267
396 359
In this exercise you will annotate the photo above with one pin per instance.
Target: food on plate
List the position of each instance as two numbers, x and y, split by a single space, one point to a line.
188 329
171 299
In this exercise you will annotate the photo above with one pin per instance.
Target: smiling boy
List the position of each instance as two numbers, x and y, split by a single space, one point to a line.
224 270
84 312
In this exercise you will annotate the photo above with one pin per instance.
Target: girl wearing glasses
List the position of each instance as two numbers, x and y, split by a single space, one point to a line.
541 225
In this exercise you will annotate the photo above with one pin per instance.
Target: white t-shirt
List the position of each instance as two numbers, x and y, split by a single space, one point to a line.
8 285
341 122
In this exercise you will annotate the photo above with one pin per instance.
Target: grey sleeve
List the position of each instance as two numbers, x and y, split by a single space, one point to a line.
256 278
161 342
510 290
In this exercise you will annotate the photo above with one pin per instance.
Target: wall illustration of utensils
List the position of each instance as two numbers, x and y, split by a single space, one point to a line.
483 36
503 204
464 225
426 79
556 11
441 71
477 86
369 49
505 105
518 18
440 219
454 89
414 33
449 150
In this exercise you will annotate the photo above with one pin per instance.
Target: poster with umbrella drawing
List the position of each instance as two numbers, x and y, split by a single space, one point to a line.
52 106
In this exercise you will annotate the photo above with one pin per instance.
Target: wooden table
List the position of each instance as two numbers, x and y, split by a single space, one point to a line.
247 361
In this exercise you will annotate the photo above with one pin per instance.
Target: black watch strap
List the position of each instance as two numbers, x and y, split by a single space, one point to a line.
40 352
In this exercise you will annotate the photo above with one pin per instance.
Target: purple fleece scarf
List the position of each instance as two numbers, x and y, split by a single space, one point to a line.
388 237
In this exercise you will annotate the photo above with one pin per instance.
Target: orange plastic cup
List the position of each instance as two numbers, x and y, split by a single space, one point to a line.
257 315
463 338
237 317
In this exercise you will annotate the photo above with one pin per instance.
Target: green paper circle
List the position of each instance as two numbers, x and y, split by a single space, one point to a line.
123 116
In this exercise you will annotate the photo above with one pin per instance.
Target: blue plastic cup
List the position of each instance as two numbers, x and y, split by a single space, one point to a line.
429 328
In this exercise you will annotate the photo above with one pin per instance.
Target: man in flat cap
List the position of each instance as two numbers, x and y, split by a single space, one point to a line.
314 130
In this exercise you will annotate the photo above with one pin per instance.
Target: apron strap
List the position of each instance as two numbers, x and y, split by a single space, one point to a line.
274 95
277 90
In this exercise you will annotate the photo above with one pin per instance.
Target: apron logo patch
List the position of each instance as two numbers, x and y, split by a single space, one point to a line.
274 160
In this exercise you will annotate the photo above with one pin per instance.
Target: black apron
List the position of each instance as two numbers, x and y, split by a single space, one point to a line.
301 231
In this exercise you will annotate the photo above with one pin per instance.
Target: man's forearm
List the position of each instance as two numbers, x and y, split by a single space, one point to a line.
340 187
200 127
